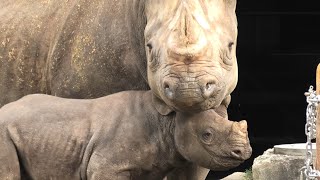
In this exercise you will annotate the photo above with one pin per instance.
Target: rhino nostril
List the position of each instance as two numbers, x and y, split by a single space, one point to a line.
208 90
237 154
166 86
168 91
209 86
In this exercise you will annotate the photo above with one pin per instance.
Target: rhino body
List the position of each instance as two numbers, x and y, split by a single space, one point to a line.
184 50
121 136
75 48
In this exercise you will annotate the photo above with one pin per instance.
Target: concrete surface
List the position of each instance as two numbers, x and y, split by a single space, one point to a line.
280 163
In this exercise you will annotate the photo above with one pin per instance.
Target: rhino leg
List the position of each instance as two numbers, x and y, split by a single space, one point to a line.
189 172
9 167
100 168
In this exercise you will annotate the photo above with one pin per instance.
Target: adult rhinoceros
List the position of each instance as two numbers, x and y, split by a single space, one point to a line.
184 50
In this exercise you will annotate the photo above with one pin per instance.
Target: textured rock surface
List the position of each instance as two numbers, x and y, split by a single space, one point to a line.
235 176
277 166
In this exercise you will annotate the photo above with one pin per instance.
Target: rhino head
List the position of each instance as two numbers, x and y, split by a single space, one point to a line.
191 52
211 141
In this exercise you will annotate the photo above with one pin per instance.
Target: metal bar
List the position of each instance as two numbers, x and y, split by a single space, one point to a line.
277 13
317 164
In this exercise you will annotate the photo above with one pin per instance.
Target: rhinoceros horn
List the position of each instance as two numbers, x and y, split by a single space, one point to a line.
188 37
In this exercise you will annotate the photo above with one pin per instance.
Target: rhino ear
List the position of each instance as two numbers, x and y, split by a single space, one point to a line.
226 101
161 107
222 109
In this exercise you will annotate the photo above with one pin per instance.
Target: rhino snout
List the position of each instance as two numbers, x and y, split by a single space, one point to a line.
239 141
208 89
169 89
241 153
180 90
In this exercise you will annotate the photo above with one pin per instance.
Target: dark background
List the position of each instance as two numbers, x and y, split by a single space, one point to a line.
278 52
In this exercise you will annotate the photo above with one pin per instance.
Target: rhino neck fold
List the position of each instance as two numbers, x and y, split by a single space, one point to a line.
166 143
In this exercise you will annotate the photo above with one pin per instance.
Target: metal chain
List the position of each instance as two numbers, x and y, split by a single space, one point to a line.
310 131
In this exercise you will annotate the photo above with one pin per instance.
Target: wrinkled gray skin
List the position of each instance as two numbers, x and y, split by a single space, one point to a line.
120 136
184 50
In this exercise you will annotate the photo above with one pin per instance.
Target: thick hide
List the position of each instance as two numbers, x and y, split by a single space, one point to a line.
75 48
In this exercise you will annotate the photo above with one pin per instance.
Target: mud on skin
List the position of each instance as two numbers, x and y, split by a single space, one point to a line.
121 136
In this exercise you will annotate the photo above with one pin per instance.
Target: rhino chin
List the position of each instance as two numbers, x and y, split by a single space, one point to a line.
219 163
226 167
195 104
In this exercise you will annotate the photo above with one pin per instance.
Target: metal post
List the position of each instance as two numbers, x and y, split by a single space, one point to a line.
318 121
312 131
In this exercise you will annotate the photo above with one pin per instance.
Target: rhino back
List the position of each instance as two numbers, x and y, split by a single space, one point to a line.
51 135
74 48
135 139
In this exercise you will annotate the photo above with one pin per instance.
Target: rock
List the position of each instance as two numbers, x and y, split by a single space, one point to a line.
235 176
280 166
298 149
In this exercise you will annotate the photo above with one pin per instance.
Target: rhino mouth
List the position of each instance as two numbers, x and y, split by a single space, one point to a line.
196 104
184 97
235 156
241 155
224 163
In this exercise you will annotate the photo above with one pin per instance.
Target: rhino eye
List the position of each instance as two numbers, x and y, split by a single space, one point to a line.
149 45
153 57
207 136
226 54
230 45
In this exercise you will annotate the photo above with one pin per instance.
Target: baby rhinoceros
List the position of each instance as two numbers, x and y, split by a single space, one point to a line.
120 136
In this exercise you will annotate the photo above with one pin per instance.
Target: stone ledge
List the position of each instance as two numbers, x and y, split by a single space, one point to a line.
235 176
277 166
